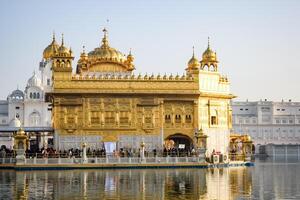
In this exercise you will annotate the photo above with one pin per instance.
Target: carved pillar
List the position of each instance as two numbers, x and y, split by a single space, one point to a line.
102 118
87 111
161 112
117 119
153 117
183 116
102 111
76 116
229 116
196 114
65 115
143 117
208 113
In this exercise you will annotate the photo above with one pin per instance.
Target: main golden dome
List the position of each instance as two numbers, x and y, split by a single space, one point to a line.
51 49
105 59
105 52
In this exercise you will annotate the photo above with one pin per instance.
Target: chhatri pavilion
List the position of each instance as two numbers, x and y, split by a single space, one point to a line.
106 105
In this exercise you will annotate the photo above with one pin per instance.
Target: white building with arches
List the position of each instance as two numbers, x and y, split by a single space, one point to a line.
29 107
268 122
36 112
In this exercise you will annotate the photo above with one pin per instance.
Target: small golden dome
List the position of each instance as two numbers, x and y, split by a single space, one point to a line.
51 49
209 60
83 55
209 55
130 57
62 49
193 62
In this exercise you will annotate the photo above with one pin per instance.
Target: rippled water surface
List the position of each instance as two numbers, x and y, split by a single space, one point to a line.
269 179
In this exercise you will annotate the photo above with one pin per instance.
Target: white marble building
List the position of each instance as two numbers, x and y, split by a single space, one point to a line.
28 106
268 122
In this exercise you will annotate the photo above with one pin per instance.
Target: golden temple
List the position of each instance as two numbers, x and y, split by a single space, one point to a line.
104 102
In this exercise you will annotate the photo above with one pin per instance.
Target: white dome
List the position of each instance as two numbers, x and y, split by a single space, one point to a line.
15 123
16 95
34 81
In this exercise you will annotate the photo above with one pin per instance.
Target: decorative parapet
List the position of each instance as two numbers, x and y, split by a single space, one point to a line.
133 77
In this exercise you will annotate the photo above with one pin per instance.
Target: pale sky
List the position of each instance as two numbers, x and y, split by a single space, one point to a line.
257 42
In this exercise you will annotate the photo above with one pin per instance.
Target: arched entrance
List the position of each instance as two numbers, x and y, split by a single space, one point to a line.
181 141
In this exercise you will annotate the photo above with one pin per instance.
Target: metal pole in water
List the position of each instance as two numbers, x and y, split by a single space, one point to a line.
273 146
285 152
298 152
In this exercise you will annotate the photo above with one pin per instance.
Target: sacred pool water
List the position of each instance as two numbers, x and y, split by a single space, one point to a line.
268 179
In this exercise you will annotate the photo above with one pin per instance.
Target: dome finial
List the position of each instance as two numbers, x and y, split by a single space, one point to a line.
53 36
193 52
104 40
62 39
208 45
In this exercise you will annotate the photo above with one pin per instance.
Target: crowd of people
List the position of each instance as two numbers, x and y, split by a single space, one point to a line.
76 152
5 152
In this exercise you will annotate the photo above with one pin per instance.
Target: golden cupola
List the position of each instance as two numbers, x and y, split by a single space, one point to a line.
82 62
63 51
129 61
193 62
209 59
51 49
193 65
105 59
62 59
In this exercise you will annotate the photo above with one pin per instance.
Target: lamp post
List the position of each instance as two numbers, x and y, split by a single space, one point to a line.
20 146
84 156
142 151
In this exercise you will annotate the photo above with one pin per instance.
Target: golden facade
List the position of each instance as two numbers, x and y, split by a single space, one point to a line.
104 100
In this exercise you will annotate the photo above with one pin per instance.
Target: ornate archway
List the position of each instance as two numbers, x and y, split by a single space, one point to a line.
181 141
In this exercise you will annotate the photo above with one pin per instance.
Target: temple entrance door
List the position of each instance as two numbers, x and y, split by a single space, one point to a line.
182 142
110 148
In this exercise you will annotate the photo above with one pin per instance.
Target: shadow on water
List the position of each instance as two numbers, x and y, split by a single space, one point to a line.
268 179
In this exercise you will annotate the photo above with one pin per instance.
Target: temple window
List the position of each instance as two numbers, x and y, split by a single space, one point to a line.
167 118
95 119
124 118
34 119
213 120
30 95
188 118
38 95
109 118
34 95
177 118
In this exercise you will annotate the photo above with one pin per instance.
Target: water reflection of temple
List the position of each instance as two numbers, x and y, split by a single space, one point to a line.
224 183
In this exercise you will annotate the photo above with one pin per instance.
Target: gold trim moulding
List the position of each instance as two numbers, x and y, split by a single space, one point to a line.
111 91
216 95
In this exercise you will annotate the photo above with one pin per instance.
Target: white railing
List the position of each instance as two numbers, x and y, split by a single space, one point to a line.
7 160
109 160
